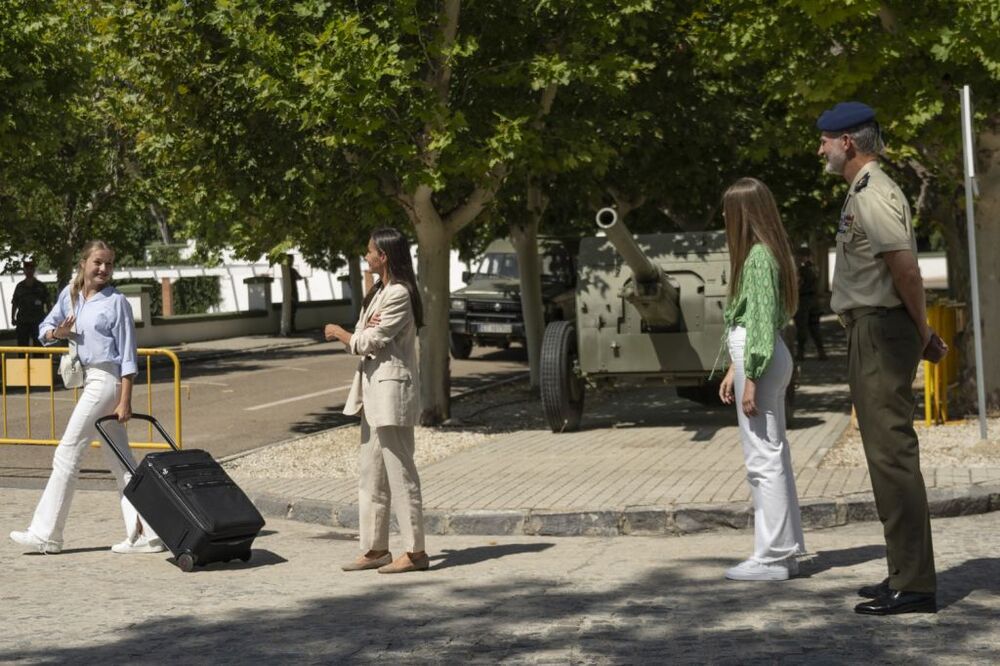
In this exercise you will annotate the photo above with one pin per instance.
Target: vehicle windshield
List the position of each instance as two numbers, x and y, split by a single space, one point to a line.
498 264
556 266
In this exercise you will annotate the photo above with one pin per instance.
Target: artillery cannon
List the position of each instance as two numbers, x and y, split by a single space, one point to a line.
649 308
649 290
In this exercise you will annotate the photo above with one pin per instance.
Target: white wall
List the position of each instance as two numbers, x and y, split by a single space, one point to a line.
316 284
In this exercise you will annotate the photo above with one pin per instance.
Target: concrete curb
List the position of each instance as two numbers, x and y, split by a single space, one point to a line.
637 520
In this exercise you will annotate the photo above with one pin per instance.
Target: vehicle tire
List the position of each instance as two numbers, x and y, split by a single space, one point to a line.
562 390
186 562
460 345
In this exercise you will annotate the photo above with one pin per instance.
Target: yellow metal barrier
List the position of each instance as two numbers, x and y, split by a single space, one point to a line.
29 372
947 319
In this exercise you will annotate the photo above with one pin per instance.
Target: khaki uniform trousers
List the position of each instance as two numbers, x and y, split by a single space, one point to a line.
388 477
883 350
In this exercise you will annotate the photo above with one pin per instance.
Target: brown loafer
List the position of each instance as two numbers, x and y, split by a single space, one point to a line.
363 563
404 564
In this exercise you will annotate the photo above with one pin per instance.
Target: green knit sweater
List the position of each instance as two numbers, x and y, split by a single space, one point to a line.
758 307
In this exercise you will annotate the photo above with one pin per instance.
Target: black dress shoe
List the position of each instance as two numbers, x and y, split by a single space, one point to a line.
875 591
897 602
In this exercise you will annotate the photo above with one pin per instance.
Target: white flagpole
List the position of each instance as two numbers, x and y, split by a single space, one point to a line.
970 224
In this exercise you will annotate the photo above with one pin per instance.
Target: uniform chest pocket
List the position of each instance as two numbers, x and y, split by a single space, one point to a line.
845 236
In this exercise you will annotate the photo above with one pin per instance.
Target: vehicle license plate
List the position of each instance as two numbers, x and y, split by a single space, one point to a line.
495 328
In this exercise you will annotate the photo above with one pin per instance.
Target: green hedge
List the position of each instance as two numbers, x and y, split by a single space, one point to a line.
192 295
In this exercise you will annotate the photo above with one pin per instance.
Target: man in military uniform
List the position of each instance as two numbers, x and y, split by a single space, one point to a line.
29 306
878 295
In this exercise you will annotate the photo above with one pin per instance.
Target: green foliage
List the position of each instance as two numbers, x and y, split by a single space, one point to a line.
192 295
66 173
905 59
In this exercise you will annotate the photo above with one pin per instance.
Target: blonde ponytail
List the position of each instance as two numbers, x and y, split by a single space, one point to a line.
76 285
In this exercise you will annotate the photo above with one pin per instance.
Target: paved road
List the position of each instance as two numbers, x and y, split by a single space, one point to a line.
486 600
233 404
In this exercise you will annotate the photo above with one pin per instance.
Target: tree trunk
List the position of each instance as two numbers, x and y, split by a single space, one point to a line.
433 266
356 285
160 217
524 236
987 213
286 295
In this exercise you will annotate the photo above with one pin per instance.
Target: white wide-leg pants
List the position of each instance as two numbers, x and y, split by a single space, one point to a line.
777 521
389 477
98 397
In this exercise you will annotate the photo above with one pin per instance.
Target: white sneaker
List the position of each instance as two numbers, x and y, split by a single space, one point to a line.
37 544
754 570
141 544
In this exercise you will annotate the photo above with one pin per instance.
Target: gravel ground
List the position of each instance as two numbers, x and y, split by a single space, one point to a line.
956 444
336 453
476 418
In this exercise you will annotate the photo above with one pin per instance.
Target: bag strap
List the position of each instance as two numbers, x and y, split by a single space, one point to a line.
74 354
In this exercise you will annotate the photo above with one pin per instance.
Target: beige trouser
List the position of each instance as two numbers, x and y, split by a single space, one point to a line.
389 477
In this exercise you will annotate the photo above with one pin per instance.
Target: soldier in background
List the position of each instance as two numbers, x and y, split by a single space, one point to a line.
879 296
807 316
28 306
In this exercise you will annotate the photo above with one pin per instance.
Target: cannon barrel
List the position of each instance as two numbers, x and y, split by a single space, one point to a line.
643 269
650 290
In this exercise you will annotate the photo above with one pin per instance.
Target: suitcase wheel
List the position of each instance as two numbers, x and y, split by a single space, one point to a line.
186 562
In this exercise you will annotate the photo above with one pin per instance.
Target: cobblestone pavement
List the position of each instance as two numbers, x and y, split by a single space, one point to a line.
514 599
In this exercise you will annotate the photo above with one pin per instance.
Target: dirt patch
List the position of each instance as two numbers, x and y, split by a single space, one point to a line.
952 445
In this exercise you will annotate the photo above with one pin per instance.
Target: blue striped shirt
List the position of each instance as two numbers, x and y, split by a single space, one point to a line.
105 330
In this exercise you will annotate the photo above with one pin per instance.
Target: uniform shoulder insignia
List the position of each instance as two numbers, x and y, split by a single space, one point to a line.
863 183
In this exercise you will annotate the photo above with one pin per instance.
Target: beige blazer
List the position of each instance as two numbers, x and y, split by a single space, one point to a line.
387 383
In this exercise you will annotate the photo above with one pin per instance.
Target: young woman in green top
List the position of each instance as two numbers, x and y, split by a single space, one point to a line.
762 296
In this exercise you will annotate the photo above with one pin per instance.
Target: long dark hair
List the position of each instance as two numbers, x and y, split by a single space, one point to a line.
752 217
399 266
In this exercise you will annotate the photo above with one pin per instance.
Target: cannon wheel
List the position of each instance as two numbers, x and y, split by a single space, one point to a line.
562 390
460 345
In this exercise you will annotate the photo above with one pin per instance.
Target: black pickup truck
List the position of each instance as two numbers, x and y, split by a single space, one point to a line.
487 311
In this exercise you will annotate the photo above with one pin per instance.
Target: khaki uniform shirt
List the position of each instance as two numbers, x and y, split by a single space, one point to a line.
875 219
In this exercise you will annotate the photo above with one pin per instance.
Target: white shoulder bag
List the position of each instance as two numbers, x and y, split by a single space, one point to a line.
70 367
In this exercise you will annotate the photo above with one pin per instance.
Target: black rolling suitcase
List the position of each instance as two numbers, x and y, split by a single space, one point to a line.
199 512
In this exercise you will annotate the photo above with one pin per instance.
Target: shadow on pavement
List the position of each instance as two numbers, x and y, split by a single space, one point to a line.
825 560
458 558
72 551
324 419
663 616
259 558
970 576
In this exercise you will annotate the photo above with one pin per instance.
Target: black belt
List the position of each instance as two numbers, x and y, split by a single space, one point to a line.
848 317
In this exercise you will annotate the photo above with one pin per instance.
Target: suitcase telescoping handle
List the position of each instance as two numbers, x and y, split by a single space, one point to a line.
127 460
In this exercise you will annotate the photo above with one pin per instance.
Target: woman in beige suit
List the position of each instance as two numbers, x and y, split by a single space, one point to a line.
386 393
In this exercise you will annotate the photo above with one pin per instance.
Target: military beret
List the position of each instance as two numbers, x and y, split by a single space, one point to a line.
845 116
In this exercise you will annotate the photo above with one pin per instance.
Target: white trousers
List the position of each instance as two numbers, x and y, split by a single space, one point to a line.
98 397
777 521
388 477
